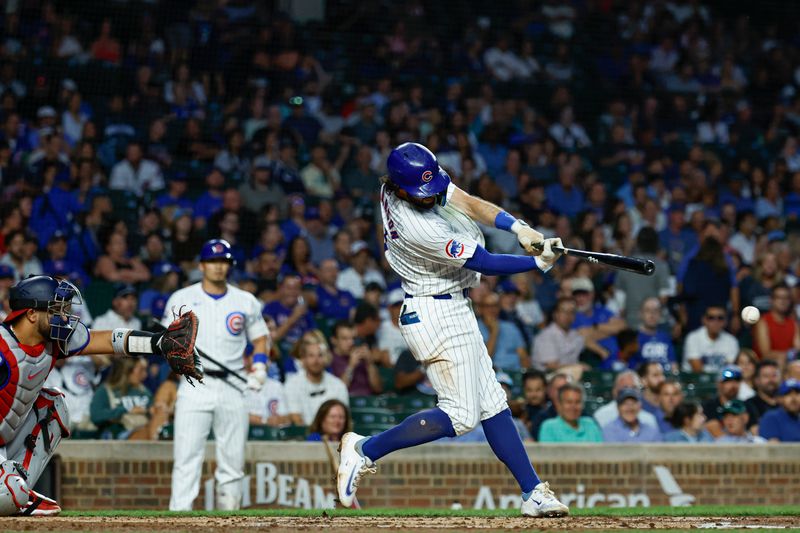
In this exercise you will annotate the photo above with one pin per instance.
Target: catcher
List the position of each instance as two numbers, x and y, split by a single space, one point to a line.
42 327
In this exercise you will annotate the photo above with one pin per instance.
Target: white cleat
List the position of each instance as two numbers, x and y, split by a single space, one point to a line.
543 502
351 467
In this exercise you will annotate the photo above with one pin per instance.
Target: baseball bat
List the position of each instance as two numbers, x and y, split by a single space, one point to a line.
646 267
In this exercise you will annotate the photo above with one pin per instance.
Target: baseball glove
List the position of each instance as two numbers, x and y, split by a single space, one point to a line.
177 346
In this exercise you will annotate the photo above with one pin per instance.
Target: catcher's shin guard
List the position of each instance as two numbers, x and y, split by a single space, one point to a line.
14 491
51 425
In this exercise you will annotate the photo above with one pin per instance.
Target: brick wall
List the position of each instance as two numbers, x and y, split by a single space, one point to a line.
117 475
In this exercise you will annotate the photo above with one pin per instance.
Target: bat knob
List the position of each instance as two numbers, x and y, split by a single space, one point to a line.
649 268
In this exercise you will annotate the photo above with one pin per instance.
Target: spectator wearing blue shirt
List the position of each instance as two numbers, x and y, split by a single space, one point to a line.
290 313
165 281
708 279
565 195
670 396
504 342
676 240
654 344
595 321
627 427
689 420
58 264
783 423
319 236
210 201
330 302
628 342
175 197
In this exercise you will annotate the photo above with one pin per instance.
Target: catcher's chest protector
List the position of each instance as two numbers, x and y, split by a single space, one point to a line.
22 374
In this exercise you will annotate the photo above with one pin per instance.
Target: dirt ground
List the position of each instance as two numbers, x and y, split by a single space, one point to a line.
363 524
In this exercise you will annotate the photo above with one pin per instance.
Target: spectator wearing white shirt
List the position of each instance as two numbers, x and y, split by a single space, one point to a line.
267 406
626 379
503 63
568 133
744 240
389 336
136 174
710 347
307 389
18 258
558 345
356 277
123 306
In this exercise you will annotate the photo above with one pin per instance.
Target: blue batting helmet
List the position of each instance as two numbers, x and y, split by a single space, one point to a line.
216 249
414 168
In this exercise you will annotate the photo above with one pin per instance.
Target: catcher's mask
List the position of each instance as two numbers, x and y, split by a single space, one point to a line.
58 298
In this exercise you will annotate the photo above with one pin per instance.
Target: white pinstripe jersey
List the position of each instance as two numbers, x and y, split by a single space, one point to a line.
428 247
225 324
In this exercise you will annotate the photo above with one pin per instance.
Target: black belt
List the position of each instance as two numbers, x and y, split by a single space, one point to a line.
464 293
222 374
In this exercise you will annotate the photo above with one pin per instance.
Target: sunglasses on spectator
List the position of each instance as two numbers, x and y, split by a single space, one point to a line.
715 317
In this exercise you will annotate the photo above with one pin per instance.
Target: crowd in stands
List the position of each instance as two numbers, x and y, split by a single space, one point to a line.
131 133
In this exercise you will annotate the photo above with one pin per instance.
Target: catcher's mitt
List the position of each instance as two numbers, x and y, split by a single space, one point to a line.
177 346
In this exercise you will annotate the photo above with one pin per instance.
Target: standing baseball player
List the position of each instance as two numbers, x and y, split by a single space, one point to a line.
434 245
230 318
43 326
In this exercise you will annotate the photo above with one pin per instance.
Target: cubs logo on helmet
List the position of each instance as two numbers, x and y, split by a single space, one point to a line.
235 323
427 176
454 249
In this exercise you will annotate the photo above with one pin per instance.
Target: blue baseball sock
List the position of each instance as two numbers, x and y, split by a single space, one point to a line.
507 446
417 429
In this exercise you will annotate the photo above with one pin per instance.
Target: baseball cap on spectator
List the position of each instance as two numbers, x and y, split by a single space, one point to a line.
69 84
373 286
179 175
581 285
395 297
358 246
296 101
788 386
676 208
164 268
776 236
58 235
46 111
504 379
312 213
507 287
7 272
124 289
730 373
628 392
733 407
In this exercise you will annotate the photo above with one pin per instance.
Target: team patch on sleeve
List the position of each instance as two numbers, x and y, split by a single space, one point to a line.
454 249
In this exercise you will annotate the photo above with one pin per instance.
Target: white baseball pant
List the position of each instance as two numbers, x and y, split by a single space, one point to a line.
215 405
447 341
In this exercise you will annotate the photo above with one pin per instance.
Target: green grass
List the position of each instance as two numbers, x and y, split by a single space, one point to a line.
701 510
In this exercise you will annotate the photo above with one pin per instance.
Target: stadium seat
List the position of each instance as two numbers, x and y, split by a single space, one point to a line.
387 377
274 433
372 429
369 401
371 415
413 403
98 295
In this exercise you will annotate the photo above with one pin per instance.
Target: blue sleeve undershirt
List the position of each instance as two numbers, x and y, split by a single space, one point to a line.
499 264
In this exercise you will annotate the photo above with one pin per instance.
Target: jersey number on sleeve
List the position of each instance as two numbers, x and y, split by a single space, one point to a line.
389 230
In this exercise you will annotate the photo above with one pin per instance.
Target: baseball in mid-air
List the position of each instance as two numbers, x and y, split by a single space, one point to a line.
750 315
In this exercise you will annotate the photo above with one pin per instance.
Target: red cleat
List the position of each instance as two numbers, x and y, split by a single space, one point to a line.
39 505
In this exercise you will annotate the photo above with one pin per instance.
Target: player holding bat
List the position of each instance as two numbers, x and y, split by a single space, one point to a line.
433 243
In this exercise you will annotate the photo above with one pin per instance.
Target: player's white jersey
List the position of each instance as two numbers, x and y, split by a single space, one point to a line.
428 247
225 323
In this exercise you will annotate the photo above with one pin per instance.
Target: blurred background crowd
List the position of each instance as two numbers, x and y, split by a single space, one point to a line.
132 132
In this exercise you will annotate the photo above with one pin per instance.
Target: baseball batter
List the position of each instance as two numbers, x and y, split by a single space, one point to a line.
229 317
44 325
434 244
